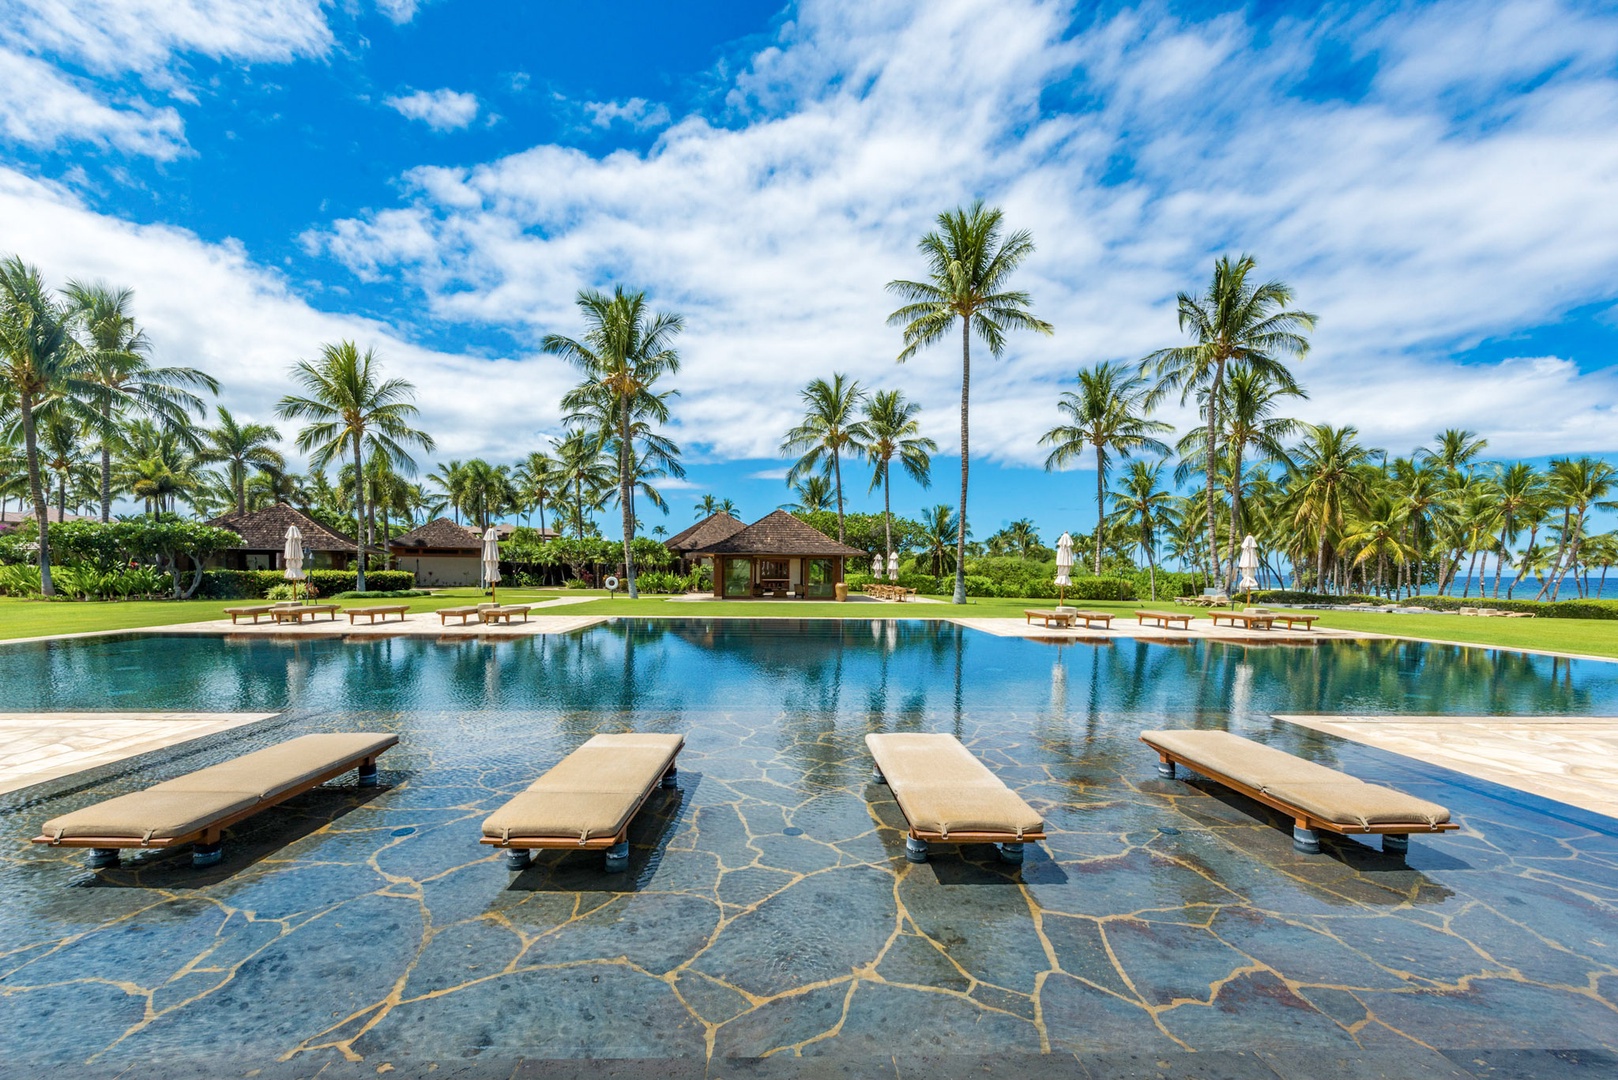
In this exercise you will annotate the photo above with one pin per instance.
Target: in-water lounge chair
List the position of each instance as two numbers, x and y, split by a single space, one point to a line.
1315 796
948 796
587 800
196 808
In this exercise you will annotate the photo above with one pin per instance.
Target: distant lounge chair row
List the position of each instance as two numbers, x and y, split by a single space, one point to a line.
1067 617
587 801
483 613
296 612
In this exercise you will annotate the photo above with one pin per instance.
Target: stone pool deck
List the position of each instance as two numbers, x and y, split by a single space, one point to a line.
43 750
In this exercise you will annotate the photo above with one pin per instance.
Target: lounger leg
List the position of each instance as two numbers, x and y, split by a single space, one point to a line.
1010 853
915 850
1165 769
368 774
876 776
207 854
1396 843
618 857
1305 840
101 858
672 777
518 859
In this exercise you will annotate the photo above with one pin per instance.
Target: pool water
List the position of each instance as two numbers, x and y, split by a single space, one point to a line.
768 908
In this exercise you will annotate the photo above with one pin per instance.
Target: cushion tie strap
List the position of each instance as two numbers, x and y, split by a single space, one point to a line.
146 837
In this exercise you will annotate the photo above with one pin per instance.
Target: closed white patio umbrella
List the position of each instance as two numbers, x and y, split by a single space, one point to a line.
292 555
893 566
491 561
1248 565
1064 568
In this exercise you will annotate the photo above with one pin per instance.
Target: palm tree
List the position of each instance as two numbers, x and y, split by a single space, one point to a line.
969 264
1518 488
832 426
120 377
1454 450
154 466
940 531
1106 413
1234 322
39 363
707 506
62 452
1379 532
582 467
625 351
241 447
814 495
1578 484
351 409
1141 506
1328 480
536 483
451 480
894 432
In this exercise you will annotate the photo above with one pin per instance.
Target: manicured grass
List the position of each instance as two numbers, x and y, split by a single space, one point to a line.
1590 637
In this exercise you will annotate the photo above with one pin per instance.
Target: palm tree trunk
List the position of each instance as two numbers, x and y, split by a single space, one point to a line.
960 530
1561 549
623 495
106 465
837 472
1101 508
578 506
887 508
30 438
359 517
238 476
1235 513
1213 453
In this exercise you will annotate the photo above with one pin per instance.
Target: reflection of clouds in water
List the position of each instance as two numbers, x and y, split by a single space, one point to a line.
1058 686
1241 690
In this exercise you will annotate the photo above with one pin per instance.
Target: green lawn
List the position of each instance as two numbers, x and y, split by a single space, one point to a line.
1592 637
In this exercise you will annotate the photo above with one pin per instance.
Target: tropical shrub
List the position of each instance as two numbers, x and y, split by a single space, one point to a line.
256 584
1103 588
576 583
82 582
380 594
656 581
978 585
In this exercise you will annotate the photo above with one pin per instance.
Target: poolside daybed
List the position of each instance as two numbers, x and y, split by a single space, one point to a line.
295 613
243 612
587 800
1252 620
1060 618
376 611
1315 796
503 614
199 806
949 796
1162 619
461 613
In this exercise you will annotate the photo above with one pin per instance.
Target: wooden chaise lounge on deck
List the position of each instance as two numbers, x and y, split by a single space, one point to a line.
297 612
1060 618
1316 797
587 800
1252 620
376 611
948 796
196 808
244 612
503 614
1293 621
1089 617
1163 619
472 611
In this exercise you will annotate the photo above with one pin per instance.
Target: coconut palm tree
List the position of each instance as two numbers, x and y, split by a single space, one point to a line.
832 426
351 409
536 483
240 447
1142 508
450 477
969 264
893 432
707 506
940 533
62 451
154 465
1378 532
119 376
1234 322
1577 484
583 469
625 350
1328 480
1518 487
40 363
1454 450
814 495
1106 413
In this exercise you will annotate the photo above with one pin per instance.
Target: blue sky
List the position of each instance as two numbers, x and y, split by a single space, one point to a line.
1438 181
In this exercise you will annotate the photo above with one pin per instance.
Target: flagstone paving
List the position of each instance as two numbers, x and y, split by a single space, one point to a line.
38 748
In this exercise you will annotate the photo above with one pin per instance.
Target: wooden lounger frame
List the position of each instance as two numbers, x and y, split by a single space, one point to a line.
1062 618
208 838
1301 819
917 840
517 847
445 614
371 614
254 612
1162 619
1248 619
493 615
1292 620
296 614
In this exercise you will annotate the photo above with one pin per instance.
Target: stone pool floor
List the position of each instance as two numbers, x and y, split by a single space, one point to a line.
770 926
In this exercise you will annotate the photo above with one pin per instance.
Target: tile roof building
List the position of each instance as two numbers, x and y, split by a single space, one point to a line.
264 533
441 554
777 555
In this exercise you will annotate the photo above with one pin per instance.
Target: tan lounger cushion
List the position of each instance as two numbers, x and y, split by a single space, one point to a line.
256 610
1354 802
457 611
1324 793
276 769
942 788
149 815
592 792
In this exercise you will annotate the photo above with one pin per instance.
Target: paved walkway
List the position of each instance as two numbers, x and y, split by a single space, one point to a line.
37 748
1571 759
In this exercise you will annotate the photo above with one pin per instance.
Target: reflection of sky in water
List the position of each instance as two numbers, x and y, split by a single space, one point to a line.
847 668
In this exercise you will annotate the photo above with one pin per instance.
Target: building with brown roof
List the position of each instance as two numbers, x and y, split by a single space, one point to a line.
710 530
777 555
264 537
441 554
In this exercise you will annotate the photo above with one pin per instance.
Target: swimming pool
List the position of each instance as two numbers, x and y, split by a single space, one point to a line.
768 908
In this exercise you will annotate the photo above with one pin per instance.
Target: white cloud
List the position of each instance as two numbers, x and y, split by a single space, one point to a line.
636 112
400 11
43 102
209 306
441 110
1415 219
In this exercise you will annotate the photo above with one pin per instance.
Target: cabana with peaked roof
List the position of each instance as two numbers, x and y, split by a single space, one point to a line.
264 535
710 530
778 556
440 553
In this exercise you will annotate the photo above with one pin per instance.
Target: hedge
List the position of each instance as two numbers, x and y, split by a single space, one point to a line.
253 584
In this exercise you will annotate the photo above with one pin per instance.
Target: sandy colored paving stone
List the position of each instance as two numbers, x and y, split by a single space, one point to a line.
41 747
1571 759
